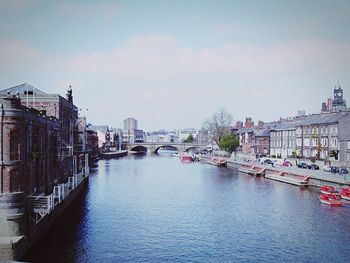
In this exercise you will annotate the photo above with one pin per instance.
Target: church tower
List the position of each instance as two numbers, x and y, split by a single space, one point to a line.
338 99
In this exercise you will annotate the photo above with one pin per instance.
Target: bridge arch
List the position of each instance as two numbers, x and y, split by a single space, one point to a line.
139 148
172 147
190 148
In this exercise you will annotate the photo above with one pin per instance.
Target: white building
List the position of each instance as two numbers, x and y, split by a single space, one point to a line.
183 134
133 136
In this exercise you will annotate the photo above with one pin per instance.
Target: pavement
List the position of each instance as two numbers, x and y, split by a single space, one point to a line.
317 174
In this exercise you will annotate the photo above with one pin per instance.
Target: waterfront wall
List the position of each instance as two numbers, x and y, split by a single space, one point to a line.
316 177
13 245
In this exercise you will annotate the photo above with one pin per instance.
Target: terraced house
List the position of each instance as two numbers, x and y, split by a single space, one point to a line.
282 139
324 136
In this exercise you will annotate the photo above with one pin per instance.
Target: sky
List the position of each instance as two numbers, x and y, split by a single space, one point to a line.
172 64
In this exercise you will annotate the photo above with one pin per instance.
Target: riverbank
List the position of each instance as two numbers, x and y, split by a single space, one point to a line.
113 154
42 211
316 177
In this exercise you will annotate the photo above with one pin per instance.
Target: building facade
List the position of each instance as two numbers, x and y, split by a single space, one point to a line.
283 139
42 153
324 136
130 124
184 133
133 136
253 139
336 104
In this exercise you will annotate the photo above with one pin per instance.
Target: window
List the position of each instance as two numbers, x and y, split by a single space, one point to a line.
14 145
324 142
348 155
348 145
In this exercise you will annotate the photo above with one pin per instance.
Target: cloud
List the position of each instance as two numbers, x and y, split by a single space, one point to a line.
17 55
157 57
166 84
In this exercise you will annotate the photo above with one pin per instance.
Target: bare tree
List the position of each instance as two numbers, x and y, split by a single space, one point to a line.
218 124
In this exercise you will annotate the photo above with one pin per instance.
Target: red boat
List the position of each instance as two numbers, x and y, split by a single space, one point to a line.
328 190
186 158
330 199
345 193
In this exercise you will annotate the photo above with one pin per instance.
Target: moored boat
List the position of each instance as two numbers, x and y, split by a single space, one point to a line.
345 193
221 162
330 199
186 158
329 190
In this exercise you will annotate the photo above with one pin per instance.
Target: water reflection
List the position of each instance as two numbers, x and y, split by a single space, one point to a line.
153 208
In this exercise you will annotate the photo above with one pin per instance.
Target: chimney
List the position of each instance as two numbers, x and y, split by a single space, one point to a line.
248 123
239 124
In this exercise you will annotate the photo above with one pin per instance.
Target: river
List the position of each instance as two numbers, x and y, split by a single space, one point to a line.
153 208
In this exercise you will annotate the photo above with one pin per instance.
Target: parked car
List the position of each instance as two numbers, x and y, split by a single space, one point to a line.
303 165
287 163
327 168
268 161
313 167
343 171
334 169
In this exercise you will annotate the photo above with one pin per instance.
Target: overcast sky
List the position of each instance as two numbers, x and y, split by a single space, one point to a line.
171 64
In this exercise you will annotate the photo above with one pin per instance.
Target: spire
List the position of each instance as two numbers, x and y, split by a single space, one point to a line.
69 94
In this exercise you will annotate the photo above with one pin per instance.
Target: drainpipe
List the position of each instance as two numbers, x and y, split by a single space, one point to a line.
2 149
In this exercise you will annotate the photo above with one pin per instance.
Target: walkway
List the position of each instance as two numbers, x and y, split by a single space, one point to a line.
314 174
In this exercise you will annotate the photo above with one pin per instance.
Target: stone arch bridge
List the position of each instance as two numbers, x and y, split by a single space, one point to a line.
153 147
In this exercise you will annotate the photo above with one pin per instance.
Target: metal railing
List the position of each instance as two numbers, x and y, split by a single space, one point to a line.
42 205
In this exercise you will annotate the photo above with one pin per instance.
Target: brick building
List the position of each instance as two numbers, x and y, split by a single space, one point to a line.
43 160
253 139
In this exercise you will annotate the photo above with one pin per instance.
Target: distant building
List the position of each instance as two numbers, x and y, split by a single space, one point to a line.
92 144
338 99
337 103
104 139
183 134
130 124
253 139
282 139
131 134
319 136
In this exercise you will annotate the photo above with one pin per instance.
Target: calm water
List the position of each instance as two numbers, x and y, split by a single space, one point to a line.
156 209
